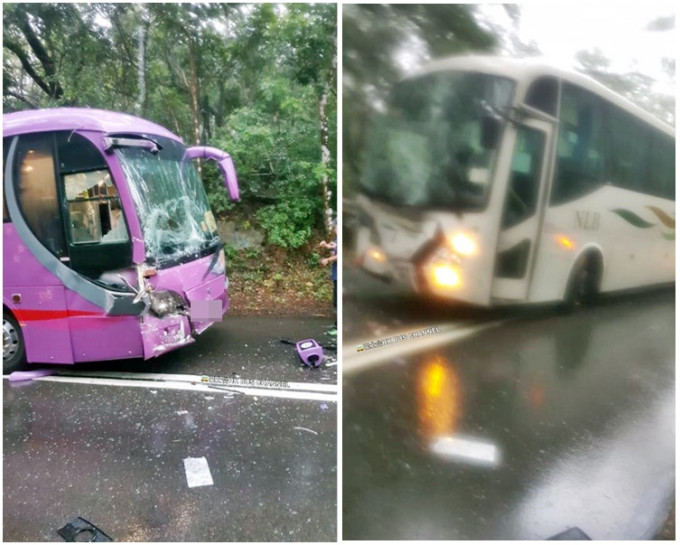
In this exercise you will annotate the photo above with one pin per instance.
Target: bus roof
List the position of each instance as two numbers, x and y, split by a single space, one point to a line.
68 119
526 69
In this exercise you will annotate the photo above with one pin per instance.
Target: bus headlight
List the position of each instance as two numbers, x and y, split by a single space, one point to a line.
167 302
445 275
377 255
463 243
442 270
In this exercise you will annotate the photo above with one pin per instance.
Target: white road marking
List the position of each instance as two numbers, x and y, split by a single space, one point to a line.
202 387
312 387
354 361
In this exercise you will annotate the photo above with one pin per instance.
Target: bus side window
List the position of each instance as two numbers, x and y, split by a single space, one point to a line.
36 186
93 207
662 167
525 177
581 146
630 141
542 95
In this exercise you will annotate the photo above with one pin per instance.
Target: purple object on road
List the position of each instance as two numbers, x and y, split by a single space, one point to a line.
310 352
19 376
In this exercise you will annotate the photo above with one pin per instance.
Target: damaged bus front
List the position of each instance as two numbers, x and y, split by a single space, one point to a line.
110 247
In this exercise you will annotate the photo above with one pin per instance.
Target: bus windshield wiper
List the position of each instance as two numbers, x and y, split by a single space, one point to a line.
507 114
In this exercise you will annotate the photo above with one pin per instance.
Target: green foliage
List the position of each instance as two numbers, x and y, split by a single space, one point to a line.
245 78
288 224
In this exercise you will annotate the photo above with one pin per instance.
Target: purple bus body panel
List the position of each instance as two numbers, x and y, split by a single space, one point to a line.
85 119
75 326
20 267
44 323
59 325
47 340
98 336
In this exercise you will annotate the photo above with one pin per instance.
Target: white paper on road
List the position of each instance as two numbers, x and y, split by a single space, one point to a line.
198 472
466 449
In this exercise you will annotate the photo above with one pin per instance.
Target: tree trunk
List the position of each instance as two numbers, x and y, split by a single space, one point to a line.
193 91
141 80
325 150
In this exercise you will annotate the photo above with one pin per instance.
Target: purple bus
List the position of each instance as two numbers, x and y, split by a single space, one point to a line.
110 250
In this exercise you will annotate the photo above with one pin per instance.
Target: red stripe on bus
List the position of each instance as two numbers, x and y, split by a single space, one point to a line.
35 315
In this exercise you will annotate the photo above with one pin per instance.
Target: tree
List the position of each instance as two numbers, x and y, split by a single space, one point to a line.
376 39
257 80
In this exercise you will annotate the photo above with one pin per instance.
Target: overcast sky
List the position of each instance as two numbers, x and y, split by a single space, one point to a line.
618 30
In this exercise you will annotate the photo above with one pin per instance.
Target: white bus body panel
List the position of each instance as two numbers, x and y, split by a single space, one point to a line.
633 255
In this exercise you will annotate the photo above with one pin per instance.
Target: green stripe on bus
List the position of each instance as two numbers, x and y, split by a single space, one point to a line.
632 218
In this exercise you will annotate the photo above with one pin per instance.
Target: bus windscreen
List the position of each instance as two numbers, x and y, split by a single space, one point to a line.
429 150
171 202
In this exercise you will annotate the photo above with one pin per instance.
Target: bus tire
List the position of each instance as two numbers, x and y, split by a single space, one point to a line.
13 347
584 283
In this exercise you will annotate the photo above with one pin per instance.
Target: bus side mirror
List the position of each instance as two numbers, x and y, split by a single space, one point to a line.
491 130
224 162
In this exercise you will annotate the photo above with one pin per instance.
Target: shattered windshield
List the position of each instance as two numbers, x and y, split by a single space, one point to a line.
427 150
171 203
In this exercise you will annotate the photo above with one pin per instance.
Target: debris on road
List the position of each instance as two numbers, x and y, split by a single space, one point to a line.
197 472
81 530
19 376
305 429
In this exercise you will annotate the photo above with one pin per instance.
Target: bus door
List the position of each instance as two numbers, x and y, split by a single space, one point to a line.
522 211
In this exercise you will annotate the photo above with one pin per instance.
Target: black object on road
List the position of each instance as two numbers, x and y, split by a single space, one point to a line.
572 534
81 530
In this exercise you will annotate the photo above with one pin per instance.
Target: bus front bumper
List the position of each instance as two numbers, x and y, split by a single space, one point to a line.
441 278
207 302
161 335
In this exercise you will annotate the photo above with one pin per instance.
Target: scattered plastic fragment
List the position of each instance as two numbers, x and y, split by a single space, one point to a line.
81 530
182 412
310 352
197 472
18 376
305 429
324 406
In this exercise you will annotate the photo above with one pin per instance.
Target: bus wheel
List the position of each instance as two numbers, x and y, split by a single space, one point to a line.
13 349
583 283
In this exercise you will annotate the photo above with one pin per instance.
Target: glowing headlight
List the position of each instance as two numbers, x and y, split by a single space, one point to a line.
463 243
377 255
445 275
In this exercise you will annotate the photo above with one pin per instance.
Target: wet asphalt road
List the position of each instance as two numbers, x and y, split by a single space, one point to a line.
114 454
540 424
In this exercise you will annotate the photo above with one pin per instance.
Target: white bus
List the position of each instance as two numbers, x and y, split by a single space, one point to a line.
501 181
